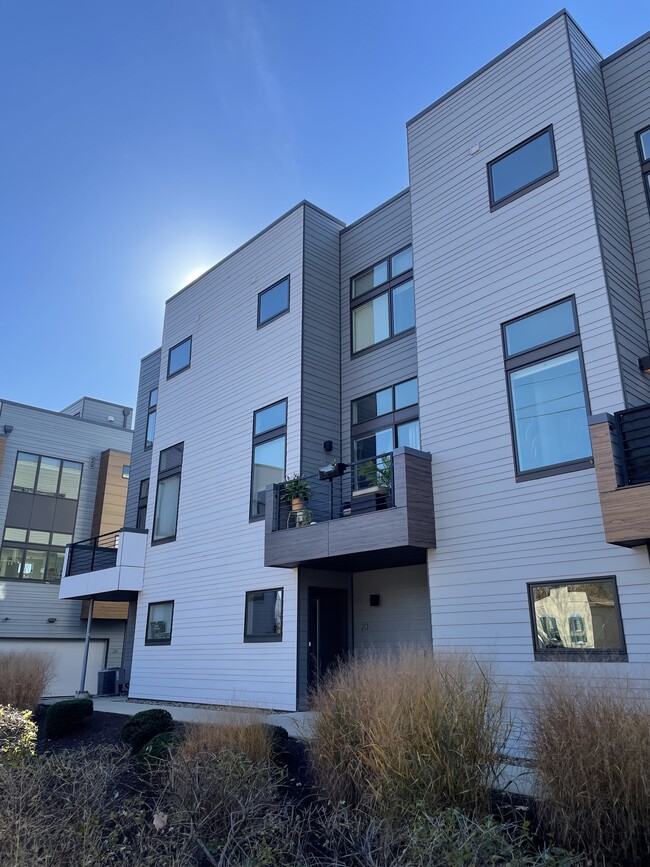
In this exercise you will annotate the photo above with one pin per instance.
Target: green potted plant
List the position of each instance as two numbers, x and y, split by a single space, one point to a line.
373 485
296 491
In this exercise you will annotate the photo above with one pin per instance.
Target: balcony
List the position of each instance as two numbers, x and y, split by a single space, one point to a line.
621 448
108 567
378 513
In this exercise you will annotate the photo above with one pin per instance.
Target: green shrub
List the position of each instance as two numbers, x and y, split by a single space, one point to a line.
399 734
66 715
159 749
17 735
143 726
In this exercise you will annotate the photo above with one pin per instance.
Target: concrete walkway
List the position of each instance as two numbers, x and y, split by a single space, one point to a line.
298 725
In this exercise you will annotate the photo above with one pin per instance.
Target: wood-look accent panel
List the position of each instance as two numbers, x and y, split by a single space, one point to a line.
106 610
3 446
626 510
110 501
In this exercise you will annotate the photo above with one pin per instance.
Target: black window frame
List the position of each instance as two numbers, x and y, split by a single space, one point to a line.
263 639
576 654
532 185
152 410
645 164
156 642
162 475
143 499
535 355
35 492
260 323
260 439
169 357
392 419
45 548
386 288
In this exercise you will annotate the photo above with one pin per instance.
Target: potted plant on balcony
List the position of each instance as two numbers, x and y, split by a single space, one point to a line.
373 485
296 491
332 469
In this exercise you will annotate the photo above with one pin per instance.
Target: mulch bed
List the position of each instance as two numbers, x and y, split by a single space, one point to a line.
99 729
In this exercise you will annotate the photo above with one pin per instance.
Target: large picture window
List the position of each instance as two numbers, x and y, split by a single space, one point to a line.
547 392
32 555
165 517
382 301
263 618
522 168
385 420
269 453
578 619
43 475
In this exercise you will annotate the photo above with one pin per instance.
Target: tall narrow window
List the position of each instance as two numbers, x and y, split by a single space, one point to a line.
143 496
546 390
151 418
269 450
159 623
273 302
643 142
522 168
382 301
180 357
168 490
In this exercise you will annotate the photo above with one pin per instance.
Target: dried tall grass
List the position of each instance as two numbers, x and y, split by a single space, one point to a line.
409 732
591 746
24 678
239 735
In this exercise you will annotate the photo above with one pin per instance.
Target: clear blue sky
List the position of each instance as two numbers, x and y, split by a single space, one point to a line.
142 140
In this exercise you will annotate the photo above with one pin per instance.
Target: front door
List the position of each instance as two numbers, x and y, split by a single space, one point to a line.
327 631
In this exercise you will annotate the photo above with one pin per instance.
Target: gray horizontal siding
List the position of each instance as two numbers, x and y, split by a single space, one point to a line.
141 457
101 411
618 262
371 239
627 82
321 368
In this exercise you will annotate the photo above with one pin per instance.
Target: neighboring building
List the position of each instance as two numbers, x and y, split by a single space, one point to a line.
63 478
485 326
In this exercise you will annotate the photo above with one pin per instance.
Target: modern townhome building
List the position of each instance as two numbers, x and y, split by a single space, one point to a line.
459 381
63 478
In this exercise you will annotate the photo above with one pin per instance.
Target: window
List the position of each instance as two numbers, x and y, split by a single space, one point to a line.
151 418
385 420
643 143
522 168
143 496
168 490
179 357
580 619
263 618
34 555
50 476
547 391
126 470
159 623
273 302
382 301
269 452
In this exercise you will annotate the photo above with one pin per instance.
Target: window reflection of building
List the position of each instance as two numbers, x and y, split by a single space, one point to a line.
576 616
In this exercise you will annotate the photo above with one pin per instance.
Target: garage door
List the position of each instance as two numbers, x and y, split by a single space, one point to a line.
68 656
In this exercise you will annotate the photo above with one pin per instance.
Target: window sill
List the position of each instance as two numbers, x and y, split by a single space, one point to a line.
580 655
555 470
267 639
272 318
154 643
163 541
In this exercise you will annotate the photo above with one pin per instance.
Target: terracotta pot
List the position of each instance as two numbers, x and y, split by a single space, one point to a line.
296 504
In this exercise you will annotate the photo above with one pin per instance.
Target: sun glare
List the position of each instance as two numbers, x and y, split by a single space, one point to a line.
194 274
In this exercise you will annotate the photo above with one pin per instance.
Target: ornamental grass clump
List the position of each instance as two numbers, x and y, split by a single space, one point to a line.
17 735
591 746
409 732
253 739
24 678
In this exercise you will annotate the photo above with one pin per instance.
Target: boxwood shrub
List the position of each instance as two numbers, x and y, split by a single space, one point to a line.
64 716
143 726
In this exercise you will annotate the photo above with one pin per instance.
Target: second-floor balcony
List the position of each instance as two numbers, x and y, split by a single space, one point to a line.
621 449
371 514
108 567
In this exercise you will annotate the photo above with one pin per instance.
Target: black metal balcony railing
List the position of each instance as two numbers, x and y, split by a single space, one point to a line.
364 486
633 428
94 554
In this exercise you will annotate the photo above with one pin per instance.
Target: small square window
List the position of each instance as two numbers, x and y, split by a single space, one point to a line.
401 262
580 619
273 302
263 617
370 279
180 357
159 623
522 167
